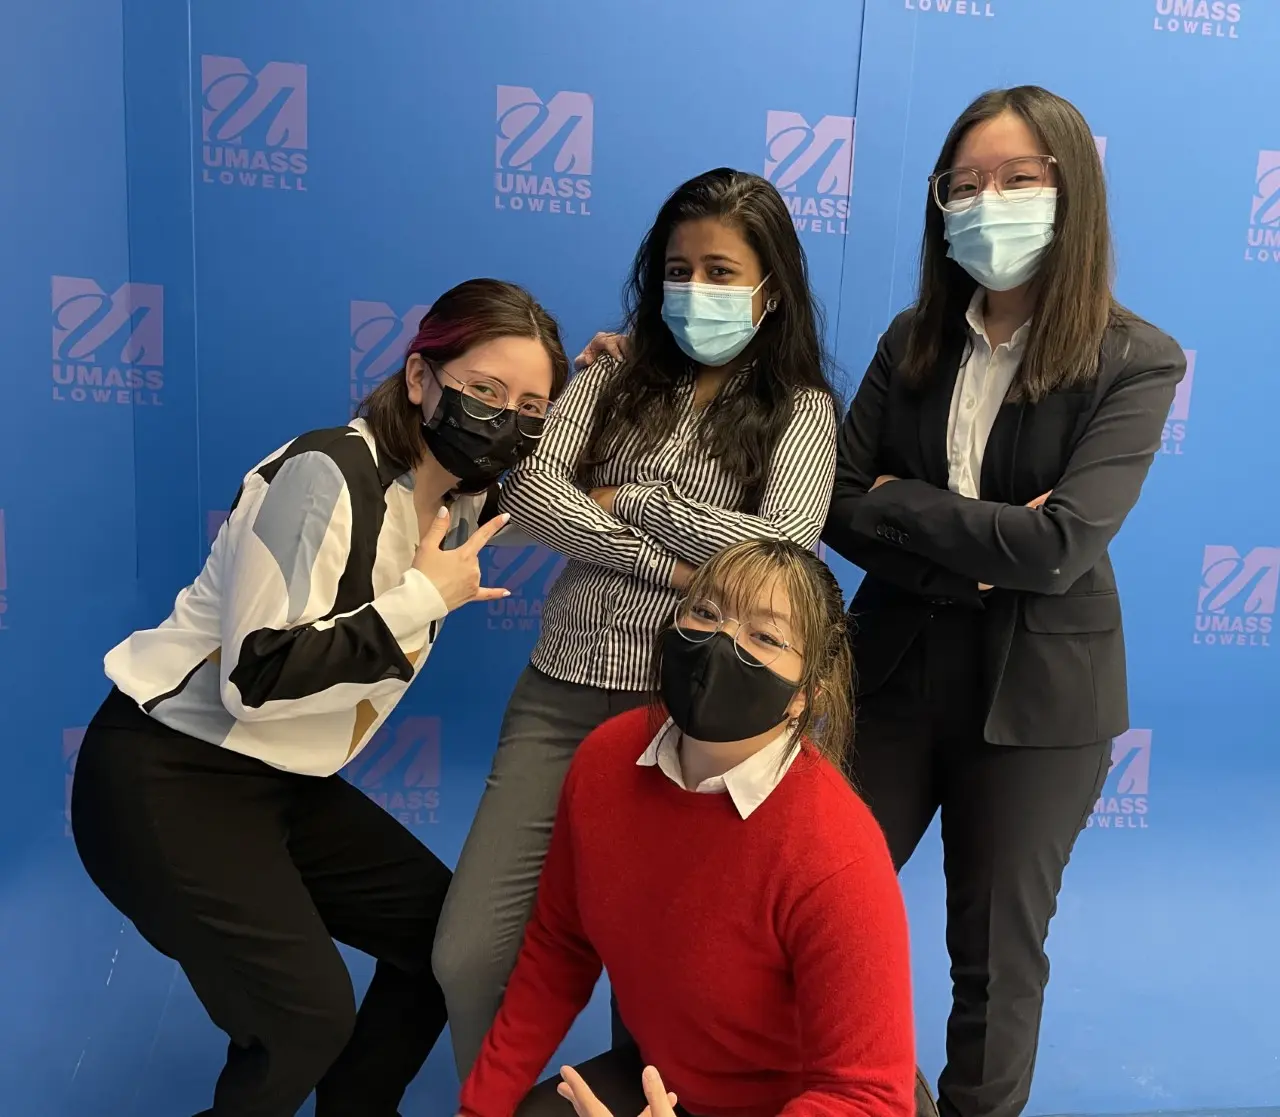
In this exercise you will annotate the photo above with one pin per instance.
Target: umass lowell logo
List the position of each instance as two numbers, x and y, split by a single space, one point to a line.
1206 19
543 151
1123 805
528 572
812 167
971 9
253 125
108 348
400 770
1174 436
1263 242
1236 604
379 338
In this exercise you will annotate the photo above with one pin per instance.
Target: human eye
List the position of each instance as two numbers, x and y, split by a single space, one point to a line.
768 639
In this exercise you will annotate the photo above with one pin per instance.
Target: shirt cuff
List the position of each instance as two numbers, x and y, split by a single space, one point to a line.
409 608
630 501
654 564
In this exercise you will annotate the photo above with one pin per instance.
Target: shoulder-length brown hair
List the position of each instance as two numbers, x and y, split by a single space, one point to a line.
465 316
737 574
1073 300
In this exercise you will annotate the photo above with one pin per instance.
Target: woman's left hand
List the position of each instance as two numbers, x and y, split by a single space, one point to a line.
882 479
585 1104
605 497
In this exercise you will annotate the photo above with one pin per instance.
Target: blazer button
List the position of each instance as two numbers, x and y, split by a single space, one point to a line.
903 537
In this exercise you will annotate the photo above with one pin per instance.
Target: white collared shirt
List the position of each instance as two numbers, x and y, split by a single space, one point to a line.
749 784
980 390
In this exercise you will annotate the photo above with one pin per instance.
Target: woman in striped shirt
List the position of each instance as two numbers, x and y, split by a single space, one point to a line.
719 427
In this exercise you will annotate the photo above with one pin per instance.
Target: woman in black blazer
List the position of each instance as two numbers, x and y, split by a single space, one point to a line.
998 440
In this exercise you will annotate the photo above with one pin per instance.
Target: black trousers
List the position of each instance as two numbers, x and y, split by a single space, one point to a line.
245 875
614 1078
1010 817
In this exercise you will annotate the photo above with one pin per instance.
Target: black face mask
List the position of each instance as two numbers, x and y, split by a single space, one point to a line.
476 451
713 696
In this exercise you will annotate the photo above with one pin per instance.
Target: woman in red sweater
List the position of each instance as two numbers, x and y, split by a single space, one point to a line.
709 854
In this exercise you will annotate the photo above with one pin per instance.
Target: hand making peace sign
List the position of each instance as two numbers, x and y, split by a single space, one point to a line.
585 1104
456 573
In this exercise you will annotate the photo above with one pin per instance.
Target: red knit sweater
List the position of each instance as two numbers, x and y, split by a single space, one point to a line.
761 964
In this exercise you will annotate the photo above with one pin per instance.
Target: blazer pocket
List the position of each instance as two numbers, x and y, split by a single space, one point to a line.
1072 614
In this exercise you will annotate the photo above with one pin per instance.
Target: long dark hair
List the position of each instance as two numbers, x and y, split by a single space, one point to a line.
1073 300
465 316
740 429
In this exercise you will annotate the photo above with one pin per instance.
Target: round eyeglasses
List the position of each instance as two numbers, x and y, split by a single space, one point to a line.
757 642
486 399
1016 180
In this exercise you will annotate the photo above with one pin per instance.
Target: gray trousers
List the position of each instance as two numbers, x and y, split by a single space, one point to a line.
494 885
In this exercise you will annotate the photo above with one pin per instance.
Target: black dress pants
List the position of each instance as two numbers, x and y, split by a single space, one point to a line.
245 875
1010 816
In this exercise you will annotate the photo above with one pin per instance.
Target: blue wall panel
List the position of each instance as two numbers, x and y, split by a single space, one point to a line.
247 210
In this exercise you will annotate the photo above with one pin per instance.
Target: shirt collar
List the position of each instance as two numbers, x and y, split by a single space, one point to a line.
973 316
748 784
388 472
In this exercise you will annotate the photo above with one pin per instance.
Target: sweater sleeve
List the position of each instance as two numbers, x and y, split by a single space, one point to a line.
555 975
793 505
847 939
284 652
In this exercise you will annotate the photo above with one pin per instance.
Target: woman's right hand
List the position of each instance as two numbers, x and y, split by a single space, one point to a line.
661 1103
603 345
456 573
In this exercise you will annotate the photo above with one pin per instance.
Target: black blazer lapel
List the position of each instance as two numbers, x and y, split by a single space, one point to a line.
935 410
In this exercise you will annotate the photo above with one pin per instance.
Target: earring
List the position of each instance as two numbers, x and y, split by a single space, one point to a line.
771 305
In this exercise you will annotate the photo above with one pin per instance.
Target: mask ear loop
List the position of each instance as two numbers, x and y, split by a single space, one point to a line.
433 421
771 303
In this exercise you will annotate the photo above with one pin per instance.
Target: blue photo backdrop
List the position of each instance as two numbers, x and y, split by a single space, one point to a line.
221 221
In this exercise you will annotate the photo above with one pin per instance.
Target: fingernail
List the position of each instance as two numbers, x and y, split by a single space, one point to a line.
506 593
505 517
442 513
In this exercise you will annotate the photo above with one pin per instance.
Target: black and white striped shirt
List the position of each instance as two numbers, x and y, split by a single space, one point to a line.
604 612
309 621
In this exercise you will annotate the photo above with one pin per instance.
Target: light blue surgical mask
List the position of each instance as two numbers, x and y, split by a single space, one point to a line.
711 323
1000 241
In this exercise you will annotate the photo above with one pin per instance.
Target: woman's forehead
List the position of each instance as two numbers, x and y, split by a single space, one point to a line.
752 593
